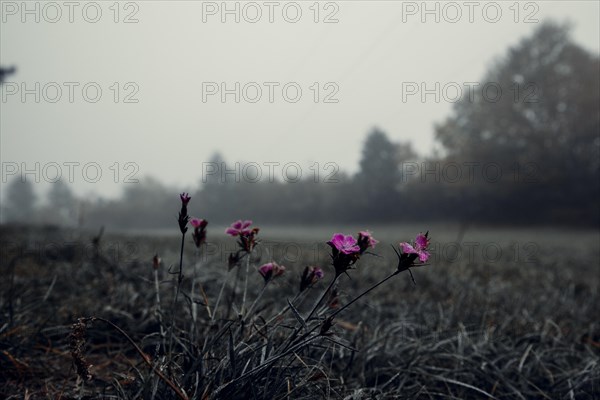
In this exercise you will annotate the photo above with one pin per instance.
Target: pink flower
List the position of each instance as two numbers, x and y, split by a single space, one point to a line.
420 247
185 198
366 240
183 217
345 252
198 222
310 276
238 228
271 270
247 236
199 234
344 243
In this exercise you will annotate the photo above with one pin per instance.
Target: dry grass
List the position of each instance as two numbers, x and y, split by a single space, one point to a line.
470 329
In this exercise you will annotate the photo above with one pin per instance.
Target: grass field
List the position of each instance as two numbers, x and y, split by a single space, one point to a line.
507 313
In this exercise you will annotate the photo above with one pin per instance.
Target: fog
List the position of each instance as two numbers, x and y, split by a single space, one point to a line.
117 99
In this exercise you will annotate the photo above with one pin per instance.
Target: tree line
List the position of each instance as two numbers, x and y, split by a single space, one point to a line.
531 157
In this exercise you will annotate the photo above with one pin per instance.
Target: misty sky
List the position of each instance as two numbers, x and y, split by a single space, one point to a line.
177 52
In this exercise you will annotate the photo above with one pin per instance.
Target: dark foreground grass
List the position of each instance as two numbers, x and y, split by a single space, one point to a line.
523 326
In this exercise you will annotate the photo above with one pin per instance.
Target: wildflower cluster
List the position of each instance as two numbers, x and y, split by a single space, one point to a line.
271 270
409 253
247 236
246 242
230 342
346 250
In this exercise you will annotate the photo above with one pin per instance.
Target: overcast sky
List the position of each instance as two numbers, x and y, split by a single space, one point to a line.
160 112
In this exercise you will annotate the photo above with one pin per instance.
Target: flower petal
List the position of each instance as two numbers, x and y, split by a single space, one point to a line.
237 224
337 240
232 231
349 240
407 248
421 241
266 268
246 224
195 222
278 270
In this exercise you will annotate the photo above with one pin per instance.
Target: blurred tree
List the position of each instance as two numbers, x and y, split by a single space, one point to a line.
4 72
211 171
218 194
405 159
536 114
20 201
147 204
378 180
62 204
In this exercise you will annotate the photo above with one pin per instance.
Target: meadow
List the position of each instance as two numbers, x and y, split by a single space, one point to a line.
495 313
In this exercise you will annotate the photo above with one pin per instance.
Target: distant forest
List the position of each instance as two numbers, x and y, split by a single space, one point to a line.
531 157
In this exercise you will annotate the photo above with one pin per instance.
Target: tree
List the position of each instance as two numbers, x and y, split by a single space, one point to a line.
218 192
541 128
62 204
378 180
4 72
404 155
19 202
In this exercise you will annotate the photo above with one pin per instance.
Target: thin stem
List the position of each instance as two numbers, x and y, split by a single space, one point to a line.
322 297
232 296
364 293
219 297
268 362
292 338
251 308
244 319
158 307
346 306
266 324
285 309
242 311
212 318
194 306
177 289
156 288
179 273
